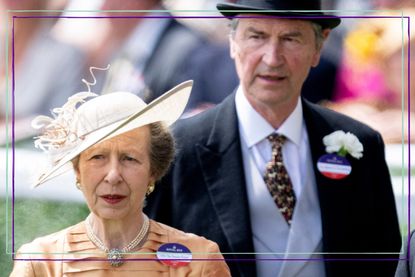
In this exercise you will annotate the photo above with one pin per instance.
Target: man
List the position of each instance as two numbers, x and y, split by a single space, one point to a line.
230 184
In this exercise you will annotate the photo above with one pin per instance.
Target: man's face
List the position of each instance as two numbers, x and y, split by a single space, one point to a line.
273 58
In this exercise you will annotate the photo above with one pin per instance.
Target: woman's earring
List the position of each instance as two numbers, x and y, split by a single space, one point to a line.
150 188
78 185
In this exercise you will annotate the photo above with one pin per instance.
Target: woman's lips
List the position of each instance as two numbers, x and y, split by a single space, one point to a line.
113 198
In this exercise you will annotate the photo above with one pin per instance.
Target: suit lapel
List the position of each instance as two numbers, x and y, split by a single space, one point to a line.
221 162
334 195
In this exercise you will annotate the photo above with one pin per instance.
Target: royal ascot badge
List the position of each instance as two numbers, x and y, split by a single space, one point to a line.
174 254
334 166
339 144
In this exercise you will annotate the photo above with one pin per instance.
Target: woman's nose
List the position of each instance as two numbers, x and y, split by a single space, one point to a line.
114 172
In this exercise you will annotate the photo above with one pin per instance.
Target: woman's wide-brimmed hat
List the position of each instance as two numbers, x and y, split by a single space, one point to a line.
74 129
299 9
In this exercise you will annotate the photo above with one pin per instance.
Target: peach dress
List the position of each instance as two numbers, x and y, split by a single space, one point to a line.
76 255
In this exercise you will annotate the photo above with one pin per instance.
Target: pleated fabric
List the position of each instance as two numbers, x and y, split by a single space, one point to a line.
71 253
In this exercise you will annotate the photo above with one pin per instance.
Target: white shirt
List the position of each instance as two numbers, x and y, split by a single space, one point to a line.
254 130
272 237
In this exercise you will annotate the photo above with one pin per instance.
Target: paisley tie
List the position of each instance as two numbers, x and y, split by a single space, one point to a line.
277 180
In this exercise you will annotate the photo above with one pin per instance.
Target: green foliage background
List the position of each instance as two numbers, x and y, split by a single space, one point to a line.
33 218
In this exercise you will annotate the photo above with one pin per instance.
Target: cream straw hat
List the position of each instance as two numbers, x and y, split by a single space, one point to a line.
73 130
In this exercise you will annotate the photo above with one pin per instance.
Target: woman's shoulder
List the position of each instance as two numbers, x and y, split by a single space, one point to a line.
173 235
51 243
206 259
32 258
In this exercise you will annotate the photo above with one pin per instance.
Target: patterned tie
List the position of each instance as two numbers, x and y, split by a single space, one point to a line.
277 179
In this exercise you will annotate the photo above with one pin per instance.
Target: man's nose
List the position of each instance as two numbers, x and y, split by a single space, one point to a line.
114 172
273 55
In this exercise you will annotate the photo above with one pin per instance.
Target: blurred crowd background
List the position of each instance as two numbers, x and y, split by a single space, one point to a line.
50 45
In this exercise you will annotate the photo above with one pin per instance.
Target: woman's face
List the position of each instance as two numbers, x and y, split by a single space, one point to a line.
115 173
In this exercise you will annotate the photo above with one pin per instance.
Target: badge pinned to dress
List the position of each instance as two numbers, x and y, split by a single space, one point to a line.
174 254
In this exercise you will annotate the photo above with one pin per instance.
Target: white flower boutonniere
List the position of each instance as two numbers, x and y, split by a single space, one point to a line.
343 143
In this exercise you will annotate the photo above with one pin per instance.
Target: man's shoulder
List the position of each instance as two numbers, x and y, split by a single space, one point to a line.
198 127
203 121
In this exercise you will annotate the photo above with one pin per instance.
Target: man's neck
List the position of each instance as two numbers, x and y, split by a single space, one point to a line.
274 114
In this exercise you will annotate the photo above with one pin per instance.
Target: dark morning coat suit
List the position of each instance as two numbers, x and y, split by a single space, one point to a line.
205 192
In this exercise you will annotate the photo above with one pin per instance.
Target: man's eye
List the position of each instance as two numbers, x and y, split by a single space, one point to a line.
255 37
129 159
97 157
290 39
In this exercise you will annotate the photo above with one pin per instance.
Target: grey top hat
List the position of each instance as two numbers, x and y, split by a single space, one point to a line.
300 9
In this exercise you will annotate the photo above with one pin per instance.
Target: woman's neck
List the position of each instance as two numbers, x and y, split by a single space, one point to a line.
116 233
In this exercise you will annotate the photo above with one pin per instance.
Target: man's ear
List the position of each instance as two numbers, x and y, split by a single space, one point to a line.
326 32
316 58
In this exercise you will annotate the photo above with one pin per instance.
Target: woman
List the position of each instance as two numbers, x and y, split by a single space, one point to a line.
118 147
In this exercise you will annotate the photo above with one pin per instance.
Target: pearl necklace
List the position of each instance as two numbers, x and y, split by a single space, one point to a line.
115 255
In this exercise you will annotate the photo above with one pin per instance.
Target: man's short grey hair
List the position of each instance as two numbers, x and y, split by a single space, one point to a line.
233 25
318 31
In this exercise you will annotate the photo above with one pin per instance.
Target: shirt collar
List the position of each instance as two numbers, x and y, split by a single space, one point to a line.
254 128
